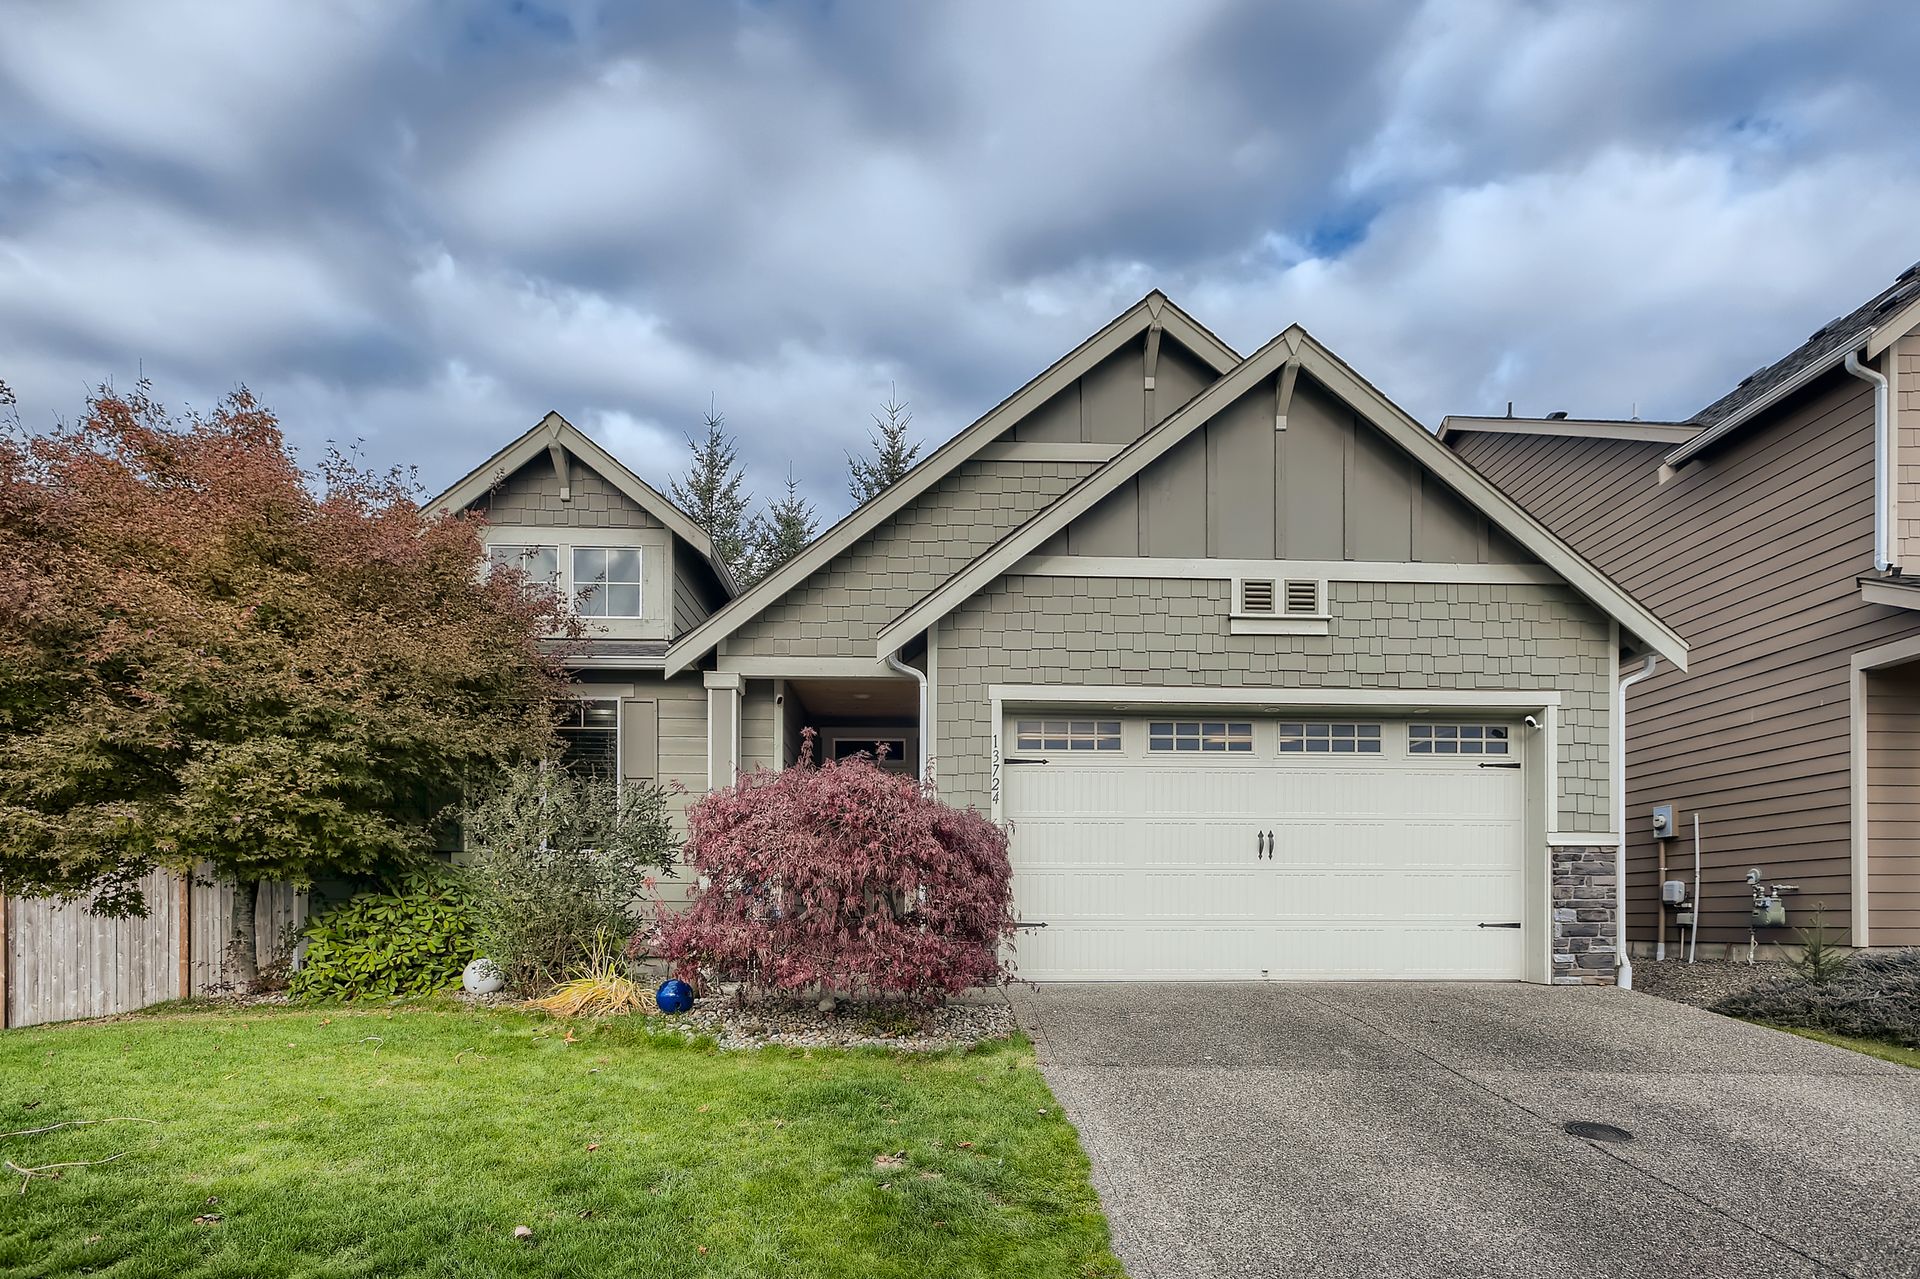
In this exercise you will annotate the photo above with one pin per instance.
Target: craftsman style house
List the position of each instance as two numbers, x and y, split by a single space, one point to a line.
1268 681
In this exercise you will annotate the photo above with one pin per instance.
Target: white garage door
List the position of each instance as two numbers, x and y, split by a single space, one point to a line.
1203 848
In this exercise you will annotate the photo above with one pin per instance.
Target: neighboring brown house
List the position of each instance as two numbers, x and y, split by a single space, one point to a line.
1751 529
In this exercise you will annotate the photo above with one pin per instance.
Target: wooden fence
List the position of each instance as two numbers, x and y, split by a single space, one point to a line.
59 962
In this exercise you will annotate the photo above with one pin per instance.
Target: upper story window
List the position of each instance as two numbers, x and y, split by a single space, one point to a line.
541 563
606 581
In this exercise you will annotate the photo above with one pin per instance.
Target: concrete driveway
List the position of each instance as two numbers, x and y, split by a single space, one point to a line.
1388 1130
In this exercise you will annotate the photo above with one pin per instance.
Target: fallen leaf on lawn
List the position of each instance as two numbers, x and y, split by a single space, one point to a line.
886 1185
593 1145
1041 1111
893 1121
703 1250
326 1021
965 1145
571 1038
702 1110
212 1200
207 1219
653 1190
523 1232
585 1213
890 1161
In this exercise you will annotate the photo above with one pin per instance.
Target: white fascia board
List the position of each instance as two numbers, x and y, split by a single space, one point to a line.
1575 428
1206 570
1405 699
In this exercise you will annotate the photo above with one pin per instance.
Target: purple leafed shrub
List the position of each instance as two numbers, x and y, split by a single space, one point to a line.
842 876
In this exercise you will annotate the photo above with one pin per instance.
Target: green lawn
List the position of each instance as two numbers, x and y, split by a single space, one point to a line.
366 1142
1871 1047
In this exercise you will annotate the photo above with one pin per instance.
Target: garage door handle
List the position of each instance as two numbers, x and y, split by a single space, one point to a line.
1269 845
1515 924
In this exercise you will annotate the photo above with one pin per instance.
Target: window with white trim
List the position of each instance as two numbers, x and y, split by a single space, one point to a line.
1456 739
1200 735
589 729
1329 739
1068 734
606 581
540 563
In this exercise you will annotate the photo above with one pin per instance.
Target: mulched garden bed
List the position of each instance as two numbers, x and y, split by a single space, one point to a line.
802 1025
1702 984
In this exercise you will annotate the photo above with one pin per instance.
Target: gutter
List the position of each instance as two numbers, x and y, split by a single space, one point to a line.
920 678
1882 441
1623 971
1726 426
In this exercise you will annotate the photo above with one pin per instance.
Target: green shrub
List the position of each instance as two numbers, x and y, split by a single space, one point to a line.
412 939
558 861
1875 995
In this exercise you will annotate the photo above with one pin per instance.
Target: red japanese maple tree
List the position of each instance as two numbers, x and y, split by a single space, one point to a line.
209 655
846 877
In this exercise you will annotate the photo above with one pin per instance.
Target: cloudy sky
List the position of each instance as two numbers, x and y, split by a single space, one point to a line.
422 225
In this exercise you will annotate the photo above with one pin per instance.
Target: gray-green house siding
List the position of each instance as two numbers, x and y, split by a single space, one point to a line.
839 610
1173 633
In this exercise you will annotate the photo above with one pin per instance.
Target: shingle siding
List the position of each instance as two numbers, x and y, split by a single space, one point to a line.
1162 632
531 496
838 610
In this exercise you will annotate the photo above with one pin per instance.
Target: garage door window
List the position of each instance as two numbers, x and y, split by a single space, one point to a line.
1456 739
1329 739
1068 734
1200 735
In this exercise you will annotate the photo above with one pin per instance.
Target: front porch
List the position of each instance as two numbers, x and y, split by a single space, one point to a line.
851 709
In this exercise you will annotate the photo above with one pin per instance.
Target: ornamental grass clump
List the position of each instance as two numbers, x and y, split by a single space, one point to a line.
842 878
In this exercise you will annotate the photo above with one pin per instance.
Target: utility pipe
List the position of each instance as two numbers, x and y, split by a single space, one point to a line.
1623 971
919 677
1693 934
1882 481
1660 947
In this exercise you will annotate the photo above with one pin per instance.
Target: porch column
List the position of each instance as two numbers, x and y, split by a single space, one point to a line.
723 728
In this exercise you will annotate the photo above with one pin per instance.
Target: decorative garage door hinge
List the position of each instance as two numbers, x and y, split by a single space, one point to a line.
1014 760
1507 765
1514 924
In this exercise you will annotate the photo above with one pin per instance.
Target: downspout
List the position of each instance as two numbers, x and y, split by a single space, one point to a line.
920 678
1623 975
1882 439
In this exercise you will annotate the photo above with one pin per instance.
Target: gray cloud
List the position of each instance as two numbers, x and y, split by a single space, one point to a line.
425 225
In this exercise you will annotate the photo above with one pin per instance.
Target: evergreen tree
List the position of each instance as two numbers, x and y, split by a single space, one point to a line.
713 493
781 532
892 456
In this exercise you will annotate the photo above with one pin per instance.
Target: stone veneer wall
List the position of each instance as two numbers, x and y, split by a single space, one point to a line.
1583 901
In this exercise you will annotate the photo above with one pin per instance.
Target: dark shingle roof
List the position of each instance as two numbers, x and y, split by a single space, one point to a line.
1829 341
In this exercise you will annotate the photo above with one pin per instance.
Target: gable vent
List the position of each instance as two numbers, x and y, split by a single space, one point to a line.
1302 598
1256 595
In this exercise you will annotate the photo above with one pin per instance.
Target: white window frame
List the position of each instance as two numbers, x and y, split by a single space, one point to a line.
1230 742
503 549
1307 736
639 583
1459 733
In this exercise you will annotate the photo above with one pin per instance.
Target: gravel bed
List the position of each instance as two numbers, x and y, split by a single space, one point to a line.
959 1025
1705 983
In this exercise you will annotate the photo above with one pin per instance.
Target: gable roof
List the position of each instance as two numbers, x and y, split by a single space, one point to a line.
1153 309
554 431
1875 324
1294 347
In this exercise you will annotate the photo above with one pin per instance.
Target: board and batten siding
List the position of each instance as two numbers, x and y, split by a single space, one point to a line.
1153 632
1328 487
1751 553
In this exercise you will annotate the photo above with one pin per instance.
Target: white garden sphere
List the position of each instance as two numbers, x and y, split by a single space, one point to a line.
483 977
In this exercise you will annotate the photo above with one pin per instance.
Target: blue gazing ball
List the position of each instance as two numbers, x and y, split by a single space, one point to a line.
674 996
